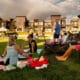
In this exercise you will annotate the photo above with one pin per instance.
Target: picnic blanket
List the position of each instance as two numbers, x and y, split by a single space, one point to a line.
39 63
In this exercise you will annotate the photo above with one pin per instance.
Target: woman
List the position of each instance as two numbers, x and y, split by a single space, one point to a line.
32 44
11 52
32 48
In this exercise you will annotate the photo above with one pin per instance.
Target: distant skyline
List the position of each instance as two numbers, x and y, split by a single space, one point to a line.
39 8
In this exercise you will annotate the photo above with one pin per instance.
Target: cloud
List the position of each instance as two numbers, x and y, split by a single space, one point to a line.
38 8
69 7
41 8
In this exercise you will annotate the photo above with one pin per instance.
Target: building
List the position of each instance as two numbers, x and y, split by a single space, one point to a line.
74 25
48 24
54 18
79 23
20 23
63 22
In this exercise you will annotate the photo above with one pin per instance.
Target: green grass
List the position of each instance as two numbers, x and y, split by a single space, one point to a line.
68 70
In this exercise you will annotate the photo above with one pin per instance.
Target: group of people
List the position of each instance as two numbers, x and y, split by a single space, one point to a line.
14 53
67 38
74 44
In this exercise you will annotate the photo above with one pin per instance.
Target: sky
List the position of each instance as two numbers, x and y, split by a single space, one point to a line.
39 8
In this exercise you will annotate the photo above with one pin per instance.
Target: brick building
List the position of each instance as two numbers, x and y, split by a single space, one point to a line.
20 22
63 22
54 18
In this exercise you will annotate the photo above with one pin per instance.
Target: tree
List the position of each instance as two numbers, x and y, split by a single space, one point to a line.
12 24
26 22
79 16
8 24
0 22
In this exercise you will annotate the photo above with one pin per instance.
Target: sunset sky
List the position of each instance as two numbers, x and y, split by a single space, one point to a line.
39 8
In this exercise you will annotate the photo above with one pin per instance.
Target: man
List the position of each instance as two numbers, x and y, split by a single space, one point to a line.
57 31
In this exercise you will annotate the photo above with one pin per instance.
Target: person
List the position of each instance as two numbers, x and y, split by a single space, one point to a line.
10 55
32 44
68 52
32 47
57 31
73 40
36 36
15 36
64 38
78 35
33 59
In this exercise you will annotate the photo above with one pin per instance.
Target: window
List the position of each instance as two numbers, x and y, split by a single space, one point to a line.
75 24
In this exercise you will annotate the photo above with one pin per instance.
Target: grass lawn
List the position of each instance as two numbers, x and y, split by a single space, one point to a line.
68 70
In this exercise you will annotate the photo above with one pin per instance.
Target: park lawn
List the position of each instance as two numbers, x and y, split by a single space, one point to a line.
20 43
68 70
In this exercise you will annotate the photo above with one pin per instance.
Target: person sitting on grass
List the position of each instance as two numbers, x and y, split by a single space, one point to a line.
64 38
32 44
32 59
10 55
68 52
32 47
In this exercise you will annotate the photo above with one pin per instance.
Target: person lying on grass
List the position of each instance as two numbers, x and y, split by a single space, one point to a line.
68 52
